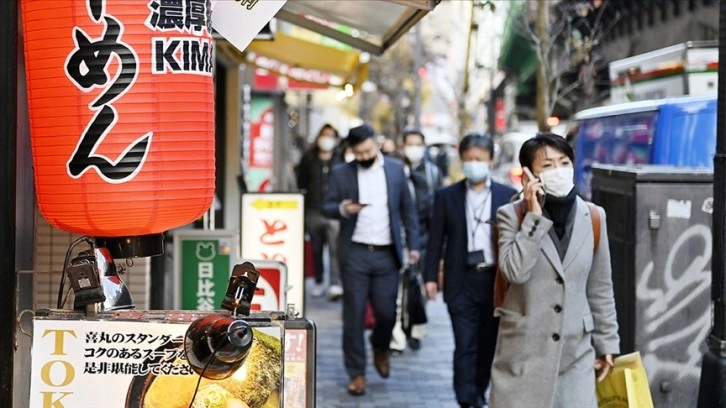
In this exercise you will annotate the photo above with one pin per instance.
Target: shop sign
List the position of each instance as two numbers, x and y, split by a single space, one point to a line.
273 229
203 263
134 364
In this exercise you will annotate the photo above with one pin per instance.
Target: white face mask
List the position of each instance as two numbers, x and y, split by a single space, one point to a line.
414 153
475 171
349 157
326 143
558 182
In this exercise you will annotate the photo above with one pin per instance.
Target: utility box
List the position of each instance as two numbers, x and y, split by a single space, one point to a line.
659 230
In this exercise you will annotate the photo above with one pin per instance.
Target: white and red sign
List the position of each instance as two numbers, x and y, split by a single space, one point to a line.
273 229
270 293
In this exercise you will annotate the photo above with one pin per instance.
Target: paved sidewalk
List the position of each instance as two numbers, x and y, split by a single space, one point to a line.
418 378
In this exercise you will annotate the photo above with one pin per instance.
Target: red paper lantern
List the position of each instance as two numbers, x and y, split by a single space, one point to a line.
121 104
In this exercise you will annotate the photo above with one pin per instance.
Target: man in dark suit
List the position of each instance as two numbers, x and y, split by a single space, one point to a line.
370 197
461 234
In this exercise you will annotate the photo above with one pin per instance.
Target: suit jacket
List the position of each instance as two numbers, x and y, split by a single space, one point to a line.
312 175
558 315
424 199
448 235
401 206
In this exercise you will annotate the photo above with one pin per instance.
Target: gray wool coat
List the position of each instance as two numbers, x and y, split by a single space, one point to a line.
557 315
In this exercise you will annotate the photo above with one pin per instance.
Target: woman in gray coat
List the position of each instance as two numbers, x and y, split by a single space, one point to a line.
557 327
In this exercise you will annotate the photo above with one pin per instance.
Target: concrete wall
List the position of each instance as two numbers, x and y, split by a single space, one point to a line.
699 24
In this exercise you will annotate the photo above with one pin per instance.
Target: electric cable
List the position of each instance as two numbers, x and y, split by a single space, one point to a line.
201 375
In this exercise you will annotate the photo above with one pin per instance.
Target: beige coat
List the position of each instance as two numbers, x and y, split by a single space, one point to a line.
557 316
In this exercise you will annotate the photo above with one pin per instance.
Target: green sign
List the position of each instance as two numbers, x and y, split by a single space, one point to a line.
206 265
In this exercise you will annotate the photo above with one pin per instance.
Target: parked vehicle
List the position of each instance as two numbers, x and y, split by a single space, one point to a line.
689 68
674 131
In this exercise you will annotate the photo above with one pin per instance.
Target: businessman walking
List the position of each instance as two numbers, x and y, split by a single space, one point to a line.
461 235
370 197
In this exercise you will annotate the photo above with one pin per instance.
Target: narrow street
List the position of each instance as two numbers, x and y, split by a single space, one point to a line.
418 378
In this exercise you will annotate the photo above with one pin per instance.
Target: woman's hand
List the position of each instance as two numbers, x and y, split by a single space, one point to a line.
603 364
531 190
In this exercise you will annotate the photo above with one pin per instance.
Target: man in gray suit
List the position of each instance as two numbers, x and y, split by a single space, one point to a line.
370 197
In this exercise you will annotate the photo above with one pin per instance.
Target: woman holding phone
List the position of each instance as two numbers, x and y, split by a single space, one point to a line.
558 329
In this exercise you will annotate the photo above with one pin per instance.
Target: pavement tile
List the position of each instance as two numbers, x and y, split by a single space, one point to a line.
418 378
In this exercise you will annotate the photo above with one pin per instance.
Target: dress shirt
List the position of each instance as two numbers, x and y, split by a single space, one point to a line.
374 222
478 213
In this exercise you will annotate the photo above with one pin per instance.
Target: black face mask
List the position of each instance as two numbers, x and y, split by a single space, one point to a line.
366 164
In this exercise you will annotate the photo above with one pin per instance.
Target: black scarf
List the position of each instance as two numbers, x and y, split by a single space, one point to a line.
558 210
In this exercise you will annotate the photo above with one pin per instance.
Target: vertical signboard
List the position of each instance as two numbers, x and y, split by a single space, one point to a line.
270 293
203 262
261 145
273 229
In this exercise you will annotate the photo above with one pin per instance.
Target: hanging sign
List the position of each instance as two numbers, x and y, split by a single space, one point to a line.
121 104
239 21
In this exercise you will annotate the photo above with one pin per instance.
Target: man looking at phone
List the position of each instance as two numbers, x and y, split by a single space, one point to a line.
461 234
370 197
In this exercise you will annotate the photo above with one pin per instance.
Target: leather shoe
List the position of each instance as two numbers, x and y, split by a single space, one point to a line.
414 344
357 386
382 362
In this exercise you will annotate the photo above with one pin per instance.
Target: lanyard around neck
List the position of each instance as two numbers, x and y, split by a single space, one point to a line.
478 218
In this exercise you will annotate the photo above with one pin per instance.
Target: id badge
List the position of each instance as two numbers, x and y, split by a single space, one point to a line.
475 257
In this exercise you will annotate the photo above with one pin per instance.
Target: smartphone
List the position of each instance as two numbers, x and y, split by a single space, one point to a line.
361 204
531 177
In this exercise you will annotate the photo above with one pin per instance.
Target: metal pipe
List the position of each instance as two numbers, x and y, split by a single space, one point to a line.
8 142
417 62
712 390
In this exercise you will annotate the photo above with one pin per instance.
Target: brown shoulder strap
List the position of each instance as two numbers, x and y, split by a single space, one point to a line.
595 217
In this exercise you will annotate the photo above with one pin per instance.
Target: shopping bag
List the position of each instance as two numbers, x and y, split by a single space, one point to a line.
626 386
413 300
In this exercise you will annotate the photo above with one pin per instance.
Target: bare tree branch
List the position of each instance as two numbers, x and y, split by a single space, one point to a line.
567 90
526 27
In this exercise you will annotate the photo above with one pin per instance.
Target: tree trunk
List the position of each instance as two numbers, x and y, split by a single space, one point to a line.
464 118
543 80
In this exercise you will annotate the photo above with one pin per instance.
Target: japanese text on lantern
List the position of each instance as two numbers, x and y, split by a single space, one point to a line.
192 55
87 68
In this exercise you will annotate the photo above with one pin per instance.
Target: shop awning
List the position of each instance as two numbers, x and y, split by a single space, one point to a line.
368 25
302 60
517 52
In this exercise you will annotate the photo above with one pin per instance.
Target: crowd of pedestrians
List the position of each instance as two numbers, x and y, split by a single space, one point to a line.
532 311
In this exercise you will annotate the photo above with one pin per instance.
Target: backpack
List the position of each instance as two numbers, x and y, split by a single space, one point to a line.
501 286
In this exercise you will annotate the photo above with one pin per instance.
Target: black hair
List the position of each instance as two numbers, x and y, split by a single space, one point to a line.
530 147
480 140
360 134
415 132
331 127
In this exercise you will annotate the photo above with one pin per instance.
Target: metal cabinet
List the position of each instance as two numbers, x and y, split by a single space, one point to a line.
659 230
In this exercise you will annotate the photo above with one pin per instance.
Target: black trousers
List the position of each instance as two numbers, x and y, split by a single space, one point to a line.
475 336
323 231
368 275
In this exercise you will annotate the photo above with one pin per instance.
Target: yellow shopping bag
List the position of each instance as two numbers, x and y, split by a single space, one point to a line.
626 386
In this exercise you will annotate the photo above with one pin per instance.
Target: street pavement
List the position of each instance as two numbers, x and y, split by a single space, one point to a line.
418 378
